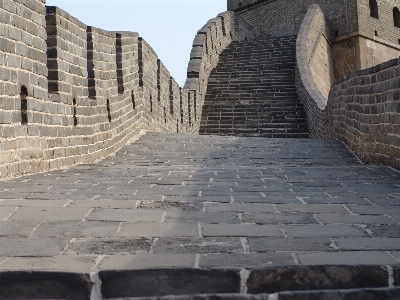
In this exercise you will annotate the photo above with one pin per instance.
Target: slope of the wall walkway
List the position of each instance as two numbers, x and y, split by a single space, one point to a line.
71 93
363 108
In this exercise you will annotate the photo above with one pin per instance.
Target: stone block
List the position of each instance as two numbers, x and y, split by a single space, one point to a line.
198 245
245 260
154 229
266 218
49 214
32 246
151 283
125 215
347 258
289 244
74 263
42 285
297 278
368 244
329 231
238 230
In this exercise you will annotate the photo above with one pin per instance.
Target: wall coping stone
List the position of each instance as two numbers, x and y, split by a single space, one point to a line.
302 59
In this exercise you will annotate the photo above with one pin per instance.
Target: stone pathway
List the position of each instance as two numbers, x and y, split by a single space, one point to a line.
179 201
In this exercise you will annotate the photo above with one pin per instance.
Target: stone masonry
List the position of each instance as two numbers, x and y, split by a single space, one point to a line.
71 93
202 215
121 197
362 109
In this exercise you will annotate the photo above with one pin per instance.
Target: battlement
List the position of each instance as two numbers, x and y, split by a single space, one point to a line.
72 93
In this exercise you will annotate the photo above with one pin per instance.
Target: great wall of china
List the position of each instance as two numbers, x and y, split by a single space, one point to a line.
272 174
72 94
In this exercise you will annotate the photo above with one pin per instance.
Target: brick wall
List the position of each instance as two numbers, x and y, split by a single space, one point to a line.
88 91
282 18
208 44
363 108
384 26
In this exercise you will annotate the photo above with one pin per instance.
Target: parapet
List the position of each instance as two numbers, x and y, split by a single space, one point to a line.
72 93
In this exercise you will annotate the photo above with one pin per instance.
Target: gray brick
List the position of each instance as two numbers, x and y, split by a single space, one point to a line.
247 260
240 207
32 246
289 244
147 261
368 244
262 218
77 229
312 208
126 215
355 219
347 258
153 229
109 246
197 245
329 231
49 214
74 263
214 230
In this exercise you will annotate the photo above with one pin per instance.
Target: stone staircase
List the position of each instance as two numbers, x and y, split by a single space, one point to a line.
252 92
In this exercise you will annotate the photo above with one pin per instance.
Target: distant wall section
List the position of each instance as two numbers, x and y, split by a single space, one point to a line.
71 93
363 108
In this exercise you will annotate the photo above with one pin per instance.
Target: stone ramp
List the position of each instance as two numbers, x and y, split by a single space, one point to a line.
183 202
252 91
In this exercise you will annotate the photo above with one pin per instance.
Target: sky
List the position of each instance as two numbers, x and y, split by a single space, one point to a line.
169 26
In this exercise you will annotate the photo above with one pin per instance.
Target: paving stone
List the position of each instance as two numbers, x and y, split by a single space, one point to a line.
77 229
76 263
104 203
5 211
368 243
339 200
44 285
347 258
289 244
297 278
110 246
214 230
265 200
245 260
373 209
126 215
219 199
32 246
153 229
197 245
135 283
16 228
265 218
355 219
312 209
240 207
147 261
203 217
389 231
33 203
50 214
328 231
358 294
167 205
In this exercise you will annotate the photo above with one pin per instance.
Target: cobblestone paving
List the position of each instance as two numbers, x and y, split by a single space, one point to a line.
200 201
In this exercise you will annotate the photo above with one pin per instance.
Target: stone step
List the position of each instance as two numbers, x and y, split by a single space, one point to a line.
286 282
252 91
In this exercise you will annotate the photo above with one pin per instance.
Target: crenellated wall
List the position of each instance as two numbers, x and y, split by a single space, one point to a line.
363 108
71 93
